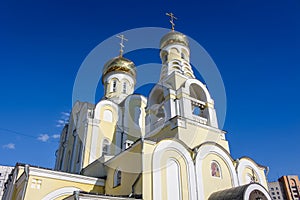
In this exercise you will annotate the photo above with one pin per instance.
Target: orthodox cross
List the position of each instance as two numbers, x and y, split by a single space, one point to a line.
122 43
172 17
253 178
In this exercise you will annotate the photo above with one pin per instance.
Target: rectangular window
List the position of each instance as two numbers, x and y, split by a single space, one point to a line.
114 85
79 152
124 87
117 177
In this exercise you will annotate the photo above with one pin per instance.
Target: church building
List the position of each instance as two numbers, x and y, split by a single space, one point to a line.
128 146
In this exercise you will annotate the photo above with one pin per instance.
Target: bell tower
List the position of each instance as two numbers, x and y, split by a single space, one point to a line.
175 57
180 102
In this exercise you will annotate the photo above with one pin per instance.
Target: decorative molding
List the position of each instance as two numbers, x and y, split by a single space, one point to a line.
65 176
258 187
169 145
242 165
205 150
60 192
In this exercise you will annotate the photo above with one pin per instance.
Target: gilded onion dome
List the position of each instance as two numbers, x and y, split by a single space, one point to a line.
173 37
119 64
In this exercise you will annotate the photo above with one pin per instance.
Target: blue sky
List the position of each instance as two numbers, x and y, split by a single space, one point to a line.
255 45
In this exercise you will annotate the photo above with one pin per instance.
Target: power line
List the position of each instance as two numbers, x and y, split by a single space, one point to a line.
16 132
22 134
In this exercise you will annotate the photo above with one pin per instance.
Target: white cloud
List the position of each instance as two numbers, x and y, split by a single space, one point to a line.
43 137
64 118
9 146
65 114
60 121
55 136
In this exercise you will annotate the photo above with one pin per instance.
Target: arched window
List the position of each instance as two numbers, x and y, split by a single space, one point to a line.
105 147
174 50
114 86
124 87
106 87
107 115
173 180
117 177
79 152
137 118
197 92
215 169
182 56
68 168
164 56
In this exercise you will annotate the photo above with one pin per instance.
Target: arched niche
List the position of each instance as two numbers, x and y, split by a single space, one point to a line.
246 169
197 90
103 108
206 155
171 156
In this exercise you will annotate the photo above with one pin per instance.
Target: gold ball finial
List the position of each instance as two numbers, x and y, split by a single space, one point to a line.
120 65
174 37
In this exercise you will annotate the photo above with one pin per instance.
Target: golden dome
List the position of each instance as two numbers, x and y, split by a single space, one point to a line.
173 38
119 64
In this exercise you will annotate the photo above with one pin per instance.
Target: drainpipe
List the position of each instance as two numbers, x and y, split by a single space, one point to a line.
267 171
133 185
26 171
76 195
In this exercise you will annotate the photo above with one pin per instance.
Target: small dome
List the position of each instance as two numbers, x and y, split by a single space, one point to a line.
119 64
173 38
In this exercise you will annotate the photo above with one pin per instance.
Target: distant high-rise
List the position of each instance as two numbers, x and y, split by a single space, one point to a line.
287 187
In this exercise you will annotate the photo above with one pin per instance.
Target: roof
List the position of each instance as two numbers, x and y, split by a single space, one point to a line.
238 193
90 195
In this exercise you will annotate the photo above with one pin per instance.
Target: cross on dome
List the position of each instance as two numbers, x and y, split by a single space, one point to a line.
172 17
122 37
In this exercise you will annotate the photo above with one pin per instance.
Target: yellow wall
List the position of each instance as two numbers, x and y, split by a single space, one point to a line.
129 162
213 184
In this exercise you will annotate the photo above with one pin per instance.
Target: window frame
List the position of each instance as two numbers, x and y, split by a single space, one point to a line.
117 178
218 167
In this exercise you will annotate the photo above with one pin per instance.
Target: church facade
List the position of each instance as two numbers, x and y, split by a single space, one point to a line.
127 146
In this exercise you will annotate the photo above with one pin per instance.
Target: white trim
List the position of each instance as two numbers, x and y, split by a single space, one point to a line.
60 192
253 187
174 184
204 151
94 145
102 104
65 176
189 82
243 164
169 145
